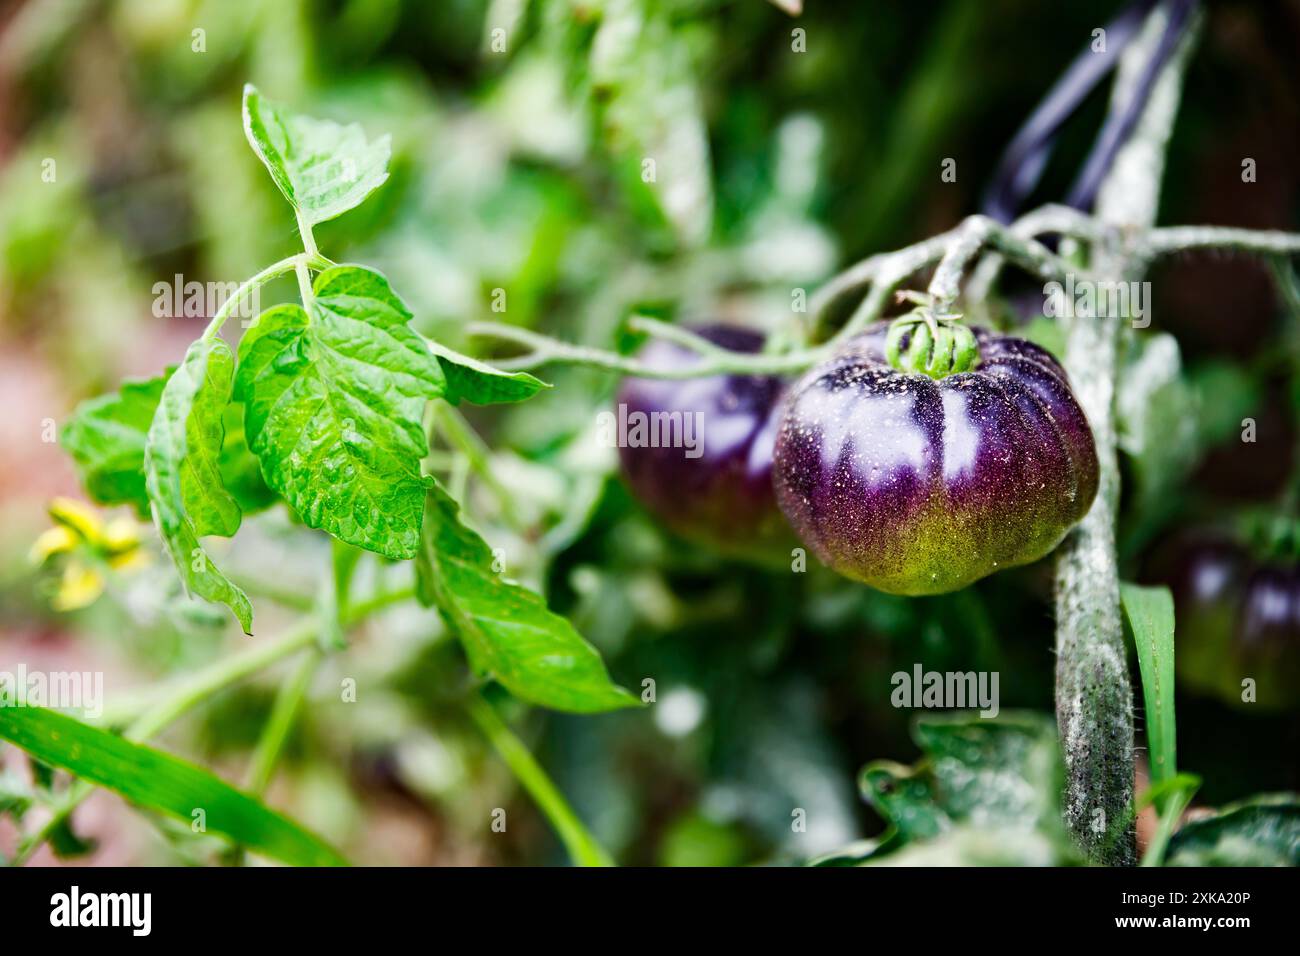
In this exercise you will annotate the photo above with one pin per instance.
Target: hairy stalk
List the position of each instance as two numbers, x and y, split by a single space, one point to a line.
304 282
1171 239
884 273
288 699
546 351
1050 219
273 271
1094 699
304 230
583 848
881 276
973 235
675 334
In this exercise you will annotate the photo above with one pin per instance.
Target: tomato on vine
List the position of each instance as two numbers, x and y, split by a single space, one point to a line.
715 485
1238 621
925 455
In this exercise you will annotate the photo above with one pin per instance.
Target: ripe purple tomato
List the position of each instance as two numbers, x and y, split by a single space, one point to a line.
1237 619
921 486
697 452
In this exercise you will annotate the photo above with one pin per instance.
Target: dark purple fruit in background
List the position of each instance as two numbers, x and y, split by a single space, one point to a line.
723 497
921 486
1236 619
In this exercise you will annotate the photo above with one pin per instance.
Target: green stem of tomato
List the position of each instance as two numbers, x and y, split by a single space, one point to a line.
461 436
313 260
288 702
583 848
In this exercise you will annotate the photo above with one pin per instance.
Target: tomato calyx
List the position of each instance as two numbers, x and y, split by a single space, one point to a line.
926 344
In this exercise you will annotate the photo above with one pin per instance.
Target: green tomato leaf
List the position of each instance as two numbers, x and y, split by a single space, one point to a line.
183 476
476 382
106 436
1150 616
969 845
334 399
240 471
508 632
1261 831
1157 414
157 781
324 169
981 783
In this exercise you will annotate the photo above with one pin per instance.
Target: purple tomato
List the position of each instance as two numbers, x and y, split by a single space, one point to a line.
1237 620
697 452
920 486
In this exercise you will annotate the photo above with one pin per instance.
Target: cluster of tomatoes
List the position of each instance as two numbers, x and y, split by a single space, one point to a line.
916 483
913 482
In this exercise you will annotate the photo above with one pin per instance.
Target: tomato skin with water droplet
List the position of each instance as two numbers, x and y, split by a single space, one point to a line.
916 486
721 496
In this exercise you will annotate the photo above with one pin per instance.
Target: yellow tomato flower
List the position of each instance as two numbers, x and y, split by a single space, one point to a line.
87 543
79 587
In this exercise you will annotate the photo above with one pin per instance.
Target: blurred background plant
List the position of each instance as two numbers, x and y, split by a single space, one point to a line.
517 193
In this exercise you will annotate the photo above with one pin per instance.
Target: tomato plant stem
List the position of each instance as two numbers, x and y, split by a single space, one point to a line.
304 230
1094 699
972 236
273 271
462 437
1177 796
1262 242
583 848
288 701
676 334
546 350
304 282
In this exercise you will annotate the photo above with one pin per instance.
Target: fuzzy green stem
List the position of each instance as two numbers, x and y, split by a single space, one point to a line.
304 230
675 334
951 252
1094 699
1171 239
304 283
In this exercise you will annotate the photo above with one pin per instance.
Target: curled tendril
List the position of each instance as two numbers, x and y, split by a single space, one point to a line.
922 343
